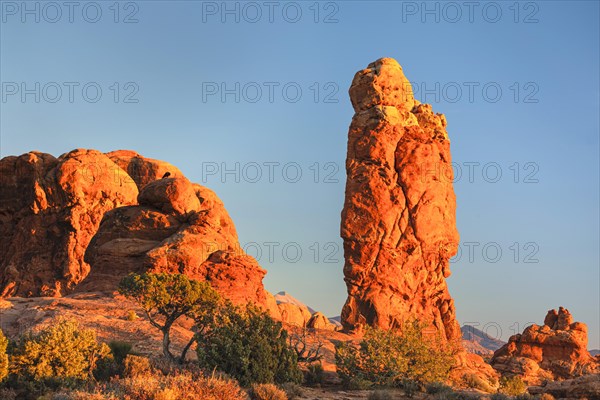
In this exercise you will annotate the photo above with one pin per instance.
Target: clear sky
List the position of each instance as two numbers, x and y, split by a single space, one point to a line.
261 88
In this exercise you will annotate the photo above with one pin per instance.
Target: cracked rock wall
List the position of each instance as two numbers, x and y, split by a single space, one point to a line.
398 222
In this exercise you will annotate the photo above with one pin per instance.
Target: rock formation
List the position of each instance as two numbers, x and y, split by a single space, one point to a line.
398 222
49 210
114 209
555 350
178 227
320 321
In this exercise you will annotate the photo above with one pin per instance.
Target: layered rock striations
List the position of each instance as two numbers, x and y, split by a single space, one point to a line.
83 220
555 350
398 221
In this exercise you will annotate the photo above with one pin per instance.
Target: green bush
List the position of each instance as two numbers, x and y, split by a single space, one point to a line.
3 356
62 350
512 386
250 346
476 382
385 358
132 316
437 387
120 350
410 387
267 391
136 365
292 390
314 374
166 297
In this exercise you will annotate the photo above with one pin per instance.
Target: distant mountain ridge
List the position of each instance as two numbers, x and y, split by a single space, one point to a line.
478 342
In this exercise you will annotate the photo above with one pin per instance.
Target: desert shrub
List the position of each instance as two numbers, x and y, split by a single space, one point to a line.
437 387
113 366
292 390
132 316
266 391
3 356
7 394
380 395
545 396
410 387
512 386
385 358
61 350
476 382
314 374
250 346
136 365
177 386
166 297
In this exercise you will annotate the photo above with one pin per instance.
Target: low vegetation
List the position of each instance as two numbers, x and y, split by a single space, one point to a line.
62 350
167 297
512 386
242 353
3 356
387 359
250 346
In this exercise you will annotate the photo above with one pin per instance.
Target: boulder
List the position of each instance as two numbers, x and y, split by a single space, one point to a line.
320 321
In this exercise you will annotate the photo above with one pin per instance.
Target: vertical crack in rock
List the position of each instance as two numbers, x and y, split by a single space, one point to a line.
398 221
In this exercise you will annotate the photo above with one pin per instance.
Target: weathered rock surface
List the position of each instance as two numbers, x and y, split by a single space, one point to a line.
320 321
583 387
178 227
293 314
398 222
49 210
555 350
85 219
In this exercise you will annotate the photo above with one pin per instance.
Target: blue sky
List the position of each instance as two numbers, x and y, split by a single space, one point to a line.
259 87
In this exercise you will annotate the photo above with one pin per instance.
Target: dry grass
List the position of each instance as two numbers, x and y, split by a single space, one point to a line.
151 386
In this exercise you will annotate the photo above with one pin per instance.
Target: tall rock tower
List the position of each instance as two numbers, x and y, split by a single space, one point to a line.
398 221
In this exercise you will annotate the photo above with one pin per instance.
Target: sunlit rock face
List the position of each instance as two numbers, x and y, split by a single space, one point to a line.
398 221
555 350
82 221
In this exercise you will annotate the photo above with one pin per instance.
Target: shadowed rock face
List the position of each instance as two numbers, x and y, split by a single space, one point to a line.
398 221
555 350
85 219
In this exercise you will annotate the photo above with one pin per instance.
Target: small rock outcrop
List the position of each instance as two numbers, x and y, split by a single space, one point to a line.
320 321
555 350
398 221
294 314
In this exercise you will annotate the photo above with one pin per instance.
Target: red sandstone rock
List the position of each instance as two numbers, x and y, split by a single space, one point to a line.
398 221
49 210
320 321
555 350
178 227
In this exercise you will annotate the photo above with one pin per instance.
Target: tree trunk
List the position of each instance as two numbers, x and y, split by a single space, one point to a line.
167 343
186 348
